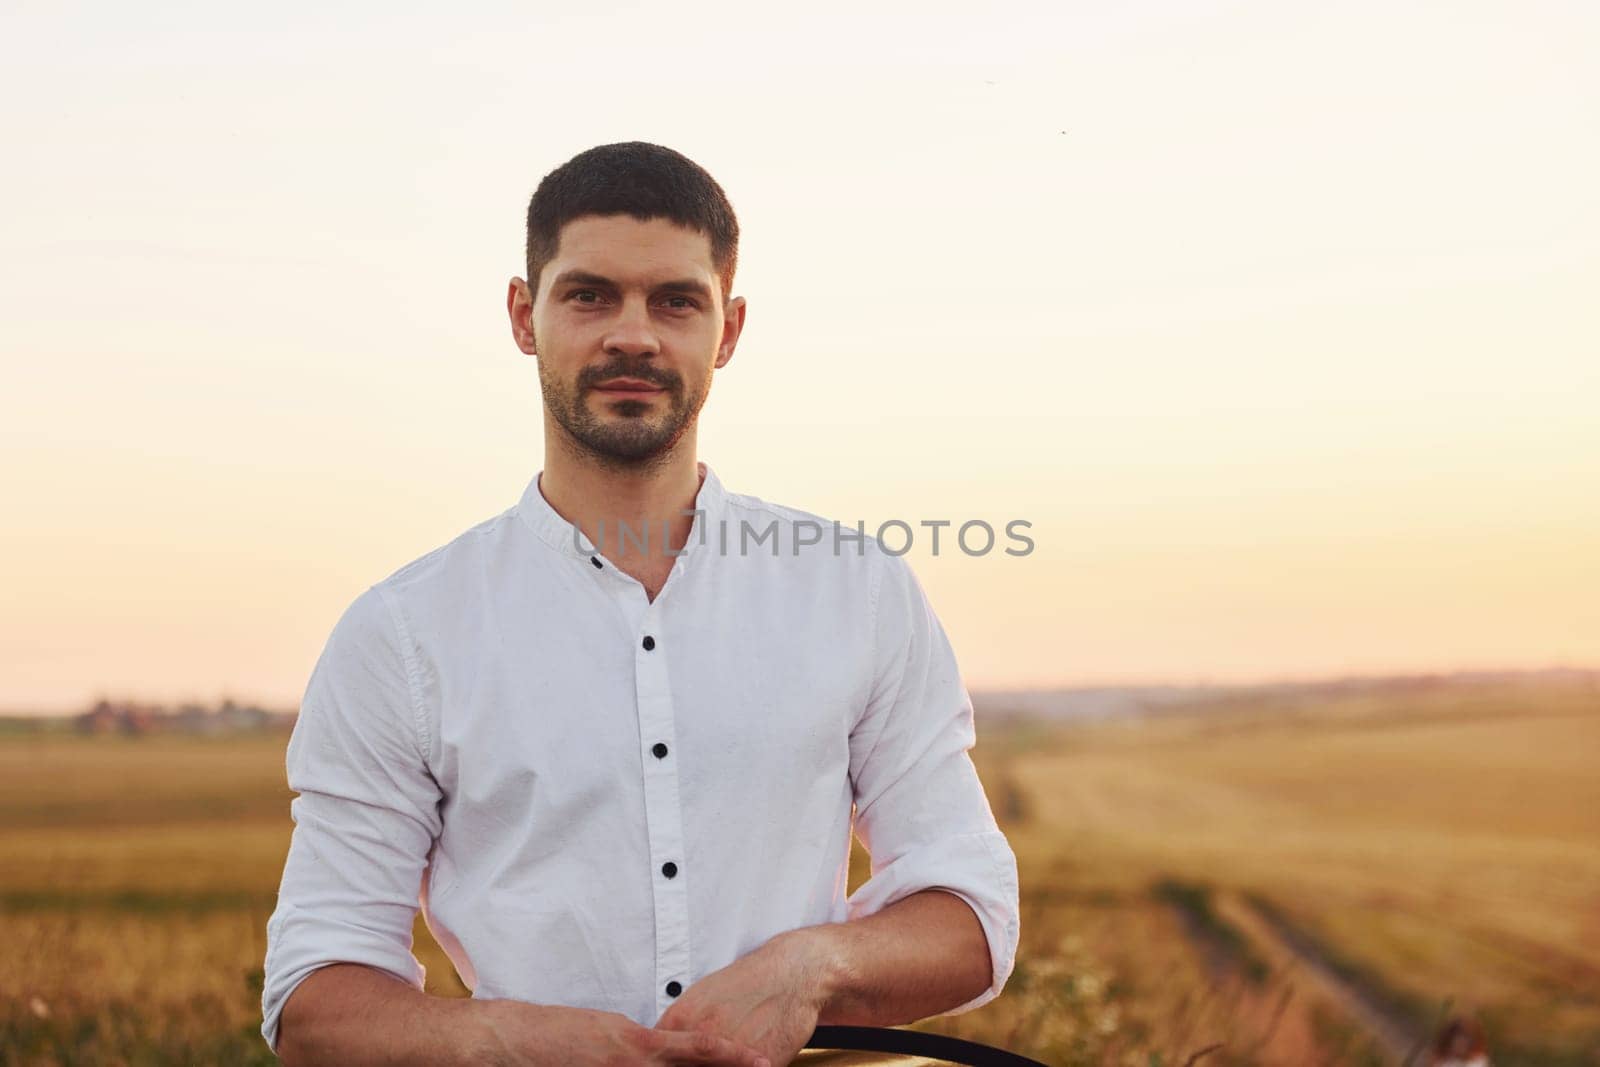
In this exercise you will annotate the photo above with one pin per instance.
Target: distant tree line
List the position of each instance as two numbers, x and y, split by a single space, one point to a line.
130 717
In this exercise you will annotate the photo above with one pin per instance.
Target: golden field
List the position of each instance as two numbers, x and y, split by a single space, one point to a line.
1290 876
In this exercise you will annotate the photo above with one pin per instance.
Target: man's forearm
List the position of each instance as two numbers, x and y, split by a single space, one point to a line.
354 1016
346 1013
918 957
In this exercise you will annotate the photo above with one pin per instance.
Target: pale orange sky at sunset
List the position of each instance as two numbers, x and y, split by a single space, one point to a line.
1277 321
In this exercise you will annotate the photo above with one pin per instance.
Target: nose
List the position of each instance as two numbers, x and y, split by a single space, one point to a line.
631 333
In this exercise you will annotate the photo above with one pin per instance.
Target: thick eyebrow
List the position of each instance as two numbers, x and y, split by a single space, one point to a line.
691 286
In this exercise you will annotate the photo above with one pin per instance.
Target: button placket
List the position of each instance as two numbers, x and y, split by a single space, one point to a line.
663 810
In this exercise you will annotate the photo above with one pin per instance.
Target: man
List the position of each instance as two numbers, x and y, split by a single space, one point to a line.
615 740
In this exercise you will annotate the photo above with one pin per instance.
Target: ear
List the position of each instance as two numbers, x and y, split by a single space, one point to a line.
732 327
519 305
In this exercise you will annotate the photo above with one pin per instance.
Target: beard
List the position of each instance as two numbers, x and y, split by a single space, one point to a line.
630 433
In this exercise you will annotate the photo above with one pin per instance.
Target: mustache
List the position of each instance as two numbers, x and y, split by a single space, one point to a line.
644 371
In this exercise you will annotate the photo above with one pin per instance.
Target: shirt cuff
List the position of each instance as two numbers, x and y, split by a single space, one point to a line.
299 942
979 868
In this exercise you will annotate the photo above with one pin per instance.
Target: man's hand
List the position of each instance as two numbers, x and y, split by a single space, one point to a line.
768 1000
515 1034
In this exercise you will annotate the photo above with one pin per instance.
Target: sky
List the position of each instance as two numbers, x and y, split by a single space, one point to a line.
1276 321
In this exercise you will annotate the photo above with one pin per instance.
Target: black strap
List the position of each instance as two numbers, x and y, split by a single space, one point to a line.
915 1043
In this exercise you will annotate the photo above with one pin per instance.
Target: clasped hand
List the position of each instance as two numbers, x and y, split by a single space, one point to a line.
758 1011
768 1000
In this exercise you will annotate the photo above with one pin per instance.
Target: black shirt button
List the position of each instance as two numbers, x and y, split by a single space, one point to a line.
673 989
596 561
649 642
660 750
669 869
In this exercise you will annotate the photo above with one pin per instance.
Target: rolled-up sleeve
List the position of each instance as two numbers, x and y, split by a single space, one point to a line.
366 816
921 811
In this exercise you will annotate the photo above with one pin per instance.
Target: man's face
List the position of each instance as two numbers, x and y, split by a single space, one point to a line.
628 324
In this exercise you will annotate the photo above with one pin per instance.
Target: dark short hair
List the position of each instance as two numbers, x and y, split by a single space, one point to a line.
647 181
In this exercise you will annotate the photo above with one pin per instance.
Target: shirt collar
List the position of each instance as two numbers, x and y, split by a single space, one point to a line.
559 533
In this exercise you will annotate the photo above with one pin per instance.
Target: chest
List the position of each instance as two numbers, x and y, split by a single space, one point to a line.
558 720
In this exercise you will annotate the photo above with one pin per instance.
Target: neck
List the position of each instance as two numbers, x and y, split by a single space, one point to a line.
605 499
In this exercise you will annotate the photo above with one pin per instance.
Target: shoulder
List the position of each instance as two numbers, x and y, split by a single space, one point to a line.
447 565
746 507
375 621
821 547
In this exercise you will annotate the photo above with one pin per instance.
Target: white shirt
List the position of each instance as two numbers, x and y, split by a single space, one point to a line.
597 799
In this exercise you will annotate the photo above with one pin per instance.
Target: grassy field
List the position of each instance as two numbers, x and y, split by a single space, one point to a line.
1288 880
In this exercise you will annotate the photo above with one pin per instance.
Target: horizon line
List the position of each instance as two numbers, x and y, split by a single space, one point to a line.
1254 682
